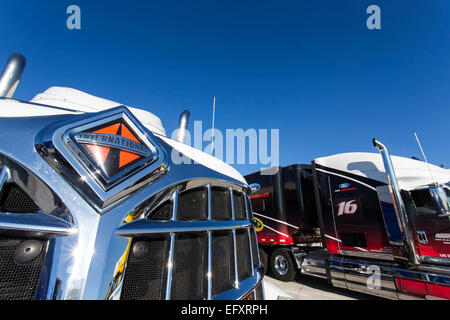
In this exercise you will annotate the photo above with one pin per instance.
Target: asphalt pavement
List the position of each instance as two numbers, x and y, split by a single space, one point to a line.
311 288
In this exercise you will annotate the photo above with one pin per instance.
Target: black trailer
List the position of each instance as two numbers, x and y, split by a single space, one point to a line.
283 201
364 222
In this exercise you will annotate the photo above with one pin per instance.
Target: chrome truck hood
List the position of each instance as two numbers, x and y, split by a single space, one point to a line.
153 229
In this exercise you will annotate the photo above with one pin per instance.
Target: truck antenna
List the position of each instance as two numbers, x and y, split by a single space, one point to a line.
212 135
423 154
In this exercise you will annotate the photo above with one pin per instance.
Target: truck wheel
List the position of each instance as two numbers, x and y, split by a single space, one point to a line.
282 265
264 259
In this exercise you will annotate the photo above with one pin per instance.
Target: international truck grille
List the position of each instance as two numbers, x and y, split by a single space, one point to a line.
207 247
21 262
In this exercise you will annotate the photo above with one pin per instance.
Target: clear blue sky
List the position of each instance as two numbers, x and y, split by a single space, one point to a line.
309 68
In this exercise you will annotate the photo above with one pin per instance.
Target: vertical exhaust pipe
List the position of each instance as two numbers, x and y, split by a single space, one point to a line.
182 126
399 205
10 76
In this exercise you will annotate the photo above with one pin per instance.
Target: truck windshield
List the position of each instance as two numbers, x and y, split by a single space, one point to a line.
432 201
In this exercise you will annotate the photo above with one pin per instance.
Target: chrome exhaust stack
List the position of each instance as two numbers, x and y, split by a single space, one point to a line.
399 205
182 126
11 74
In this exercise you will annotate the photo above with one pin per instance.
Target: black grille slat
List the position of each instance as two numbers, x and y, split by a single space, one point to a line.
193 205
239 206
222 261
249 208
18 278
163 212
13 199
190 267
243 254
220 204
146 273
254 248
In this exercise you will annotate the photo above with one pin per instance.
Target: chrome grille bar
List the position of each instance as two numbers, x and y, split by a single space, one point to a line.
209 274
41 223
148 227
236 276
209 203
170 267
174 205
5 175
257 251
232 204
251 251
173 226
246 206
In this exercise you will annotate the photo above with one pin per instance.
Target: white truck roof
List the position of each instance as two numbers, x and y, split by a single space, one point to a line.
72 101
411 174
61 100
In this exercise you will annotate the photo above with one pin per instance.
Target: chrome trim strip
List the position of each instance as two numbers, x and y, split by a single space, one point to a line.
209 274
340 266
251 251
209 202
174 205
170 267
246 205
236 276
250 215
245 287
146 227
257 249
435 260
232 203
36 223
5 175
367 254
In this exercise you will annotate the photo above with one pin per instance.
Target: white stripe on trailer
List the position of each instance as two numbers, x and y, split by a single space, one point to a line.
342 176
276 231
339 240
279 221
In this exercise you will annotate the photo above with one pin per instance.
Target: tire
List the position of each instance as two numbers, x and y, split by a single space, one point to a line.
281 264
264 260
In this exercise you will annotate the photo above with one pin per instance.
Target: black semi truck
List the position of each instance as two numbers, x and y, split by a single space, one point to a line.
364 221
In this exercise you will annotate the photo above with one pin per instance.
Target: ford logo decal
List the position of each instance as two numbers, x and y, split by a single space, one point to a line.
254 187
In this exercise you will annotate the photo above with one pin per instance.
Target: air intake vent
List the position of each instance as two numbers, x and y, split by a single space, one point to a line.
193 205
189 279
146 274
243 254
223 261
239 206
13 199
21 262
221 205
163 212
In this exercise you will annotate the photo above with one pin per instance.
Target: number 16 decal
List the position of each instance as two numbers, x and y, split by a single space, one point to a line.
347 207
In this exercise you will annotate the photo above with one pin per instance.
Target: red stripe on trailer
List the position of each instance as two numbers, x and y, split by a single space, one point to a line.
347 189
262 195
276 239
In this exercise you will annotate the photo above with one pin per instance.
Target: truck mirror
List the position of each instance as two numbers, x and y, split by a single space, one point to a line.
441 199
